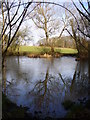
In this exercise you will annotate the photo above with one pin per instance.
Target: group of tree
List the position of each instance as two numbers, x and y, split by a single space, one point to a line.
63 42
14 13
43 15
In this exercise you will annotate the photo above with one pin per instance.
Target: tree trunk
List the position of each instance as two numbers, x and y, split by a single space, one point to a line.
47 38
89 67
52 51
0 81
3 56
18 46
18 50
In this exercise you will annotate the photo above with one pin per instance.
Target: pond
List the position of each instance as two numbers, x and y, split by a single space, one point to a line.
43 84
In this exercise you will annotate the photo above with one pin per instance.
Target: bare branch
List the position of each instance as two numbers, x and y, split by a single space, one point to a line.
10 41
81 12
84 8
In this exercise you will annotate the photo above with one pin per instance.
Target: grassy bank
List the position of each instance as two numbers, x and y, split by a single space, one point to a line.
24 50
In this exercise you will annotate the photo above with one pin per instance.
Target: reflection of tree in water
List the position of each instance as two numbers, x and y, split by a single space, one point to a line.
41 89
44 90
50 87
78 87
4 76
16 74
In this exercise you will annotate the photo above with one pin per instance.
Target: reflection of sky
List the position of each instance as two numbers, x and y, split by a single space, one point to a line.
31 70
65 66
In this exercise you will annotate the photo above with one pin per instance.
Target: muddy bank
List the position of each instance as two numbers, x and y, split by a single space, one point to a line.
11 110
44 56
49 55
81 58
77 110
56 55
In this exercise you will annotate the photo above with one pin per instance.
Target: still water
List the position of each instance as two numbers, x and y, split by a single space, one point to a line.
43 84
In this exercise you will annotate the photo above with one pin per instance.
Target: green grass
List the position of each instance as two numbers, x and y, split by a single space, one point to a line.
34 49
66 50
42 50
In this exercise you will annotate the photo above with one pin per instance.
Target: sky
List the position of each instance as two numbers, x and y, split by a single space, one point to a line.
37 33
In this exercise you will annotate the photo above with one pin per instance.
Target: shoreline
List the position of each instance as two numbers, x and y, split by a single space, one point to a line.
46 55
56 55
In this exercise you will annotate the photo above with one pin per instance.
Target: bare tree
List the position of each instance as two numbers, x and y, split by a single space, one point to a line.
12 22
44 18
75 22
85 16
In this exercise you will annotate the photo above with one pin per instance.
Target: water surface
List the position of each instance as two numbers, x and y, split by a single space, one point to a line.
43 84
